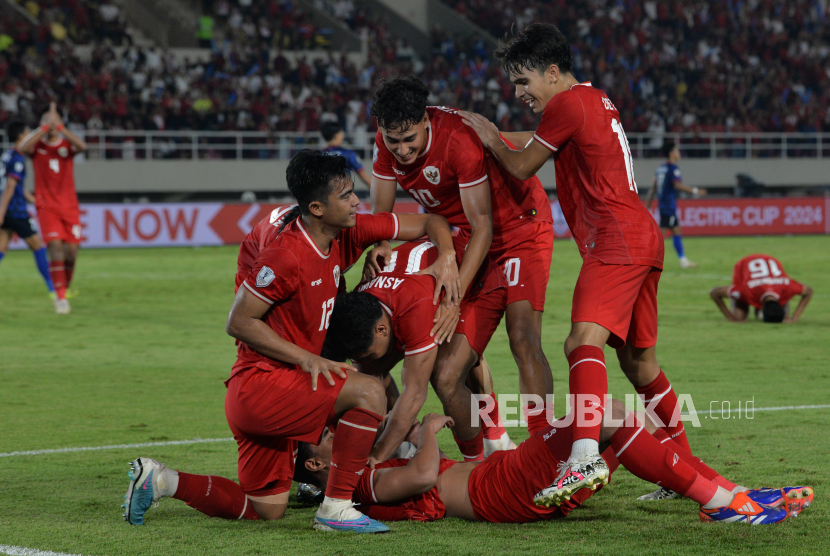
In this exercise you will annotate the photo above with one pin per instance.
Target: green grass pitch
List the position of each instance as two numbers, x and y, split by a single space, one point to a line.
143 355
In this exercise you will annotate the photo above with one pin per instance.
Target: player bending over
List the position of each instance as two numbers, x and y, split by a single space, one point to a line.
52 148
279 317
388 319
14 216
667 183
615 298
441 164
760 281
499 490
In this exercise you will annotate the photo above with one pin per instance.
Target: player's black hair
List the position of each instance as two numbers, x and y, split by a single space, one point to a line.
773 311
400 103
537 46
14 130
311 176
667 148
352 325
305 452
329 129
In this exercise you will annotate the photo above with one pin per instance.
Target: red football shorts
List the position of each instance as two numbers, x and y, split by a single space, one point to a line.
483 307
59 226
620 298
524 258
269 412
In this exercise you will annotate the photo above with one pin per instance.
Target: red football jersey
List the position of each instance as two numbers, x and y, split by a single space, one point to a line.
300 283
54 167
424 507
454 159
758 276
595 179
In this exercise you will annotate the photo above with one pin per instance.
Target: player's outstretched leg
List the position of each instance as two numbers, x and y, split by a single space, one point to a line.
360 405
150 481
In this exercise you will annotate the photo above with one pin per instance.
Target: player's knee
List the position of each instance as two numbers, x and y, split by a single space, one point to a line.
571 343
371 396
446 381
268 512
524 340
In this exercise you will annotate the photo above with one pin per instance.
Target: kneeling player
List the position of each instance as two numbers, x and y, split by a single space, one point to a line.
389 318
499 490
760 281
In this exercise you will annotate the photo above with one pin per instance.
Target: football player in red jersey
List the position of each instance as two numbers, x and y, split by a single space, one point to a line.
760 281
279 317
441 164
615 298
388 319
429 486
52 148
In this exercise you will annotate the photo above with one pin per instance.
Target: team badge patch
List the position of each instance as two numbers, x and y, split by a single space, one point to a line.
265 277
432 175
375 153
63 152
337 275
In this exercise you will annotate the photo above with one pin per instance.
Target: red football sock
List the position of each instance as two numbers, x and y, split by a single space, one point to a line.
473 449
644 456
69 269
666 408
588 382
57 271
495 431
663 437
214 496
538 418
353 443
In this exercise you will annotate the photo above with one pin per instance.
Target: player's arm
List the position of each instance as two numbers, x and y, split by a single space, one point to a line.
364 177
29 196
518 137
78 144
806 296
421 473
685 188
246 325
27 144
8 193
476 203
382 197
415 374
392 392
718 295
521 163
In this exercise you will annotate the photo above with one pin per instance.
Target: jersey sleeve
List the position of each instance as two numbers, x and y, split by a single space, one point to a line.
466 157
370 229
274 276
676 175
564 117
412 327
795 288
382 160
16 168
354 162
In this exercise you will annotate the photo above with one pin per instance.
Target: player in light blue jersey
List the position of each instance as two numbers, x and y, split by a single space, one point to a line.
14 216
667 182
333 135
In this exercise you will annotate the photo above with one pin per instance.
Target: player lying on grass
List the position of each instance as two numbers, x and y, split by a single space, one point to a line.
428 486
388 319
279 317
14 215
760 281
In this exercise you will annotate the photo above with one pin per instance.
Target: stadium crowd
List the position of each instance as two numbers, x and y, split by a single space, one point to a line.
742 66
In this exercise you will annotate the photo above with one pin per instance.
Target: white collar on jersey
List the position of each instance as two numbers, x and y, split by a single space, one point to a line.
429 141
308 238
387 309
586 84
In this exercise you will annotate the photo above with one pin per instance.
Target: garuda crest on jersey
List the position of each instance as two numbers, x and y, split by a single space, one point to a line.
432 175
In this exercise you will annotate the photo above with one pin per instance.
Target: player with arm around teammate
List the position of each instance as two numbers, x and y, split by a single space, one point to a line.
14 216
279 317
667 182
760 281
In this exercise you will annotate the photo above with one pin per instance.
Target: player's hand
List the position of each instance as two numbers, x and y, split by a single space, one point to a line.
484 128
316 365
434 422
787 320
373 461
54 119
445 272
444 323
413 434
701 191
376 259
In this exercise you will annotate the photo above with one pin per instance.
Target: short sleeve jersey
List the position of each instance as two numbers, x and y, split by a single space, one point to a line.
300 283
352 161
595 179
455 159
54 168
13 165
666 176
758 276
258 239
423 507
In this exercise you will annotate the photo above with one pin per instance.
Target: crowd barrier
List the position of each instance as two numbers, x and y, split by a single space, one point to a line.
206 224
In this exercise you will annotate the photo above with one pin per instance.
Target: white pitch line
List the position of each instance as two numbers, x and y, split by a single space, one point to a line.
745 410
21 551
113 447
